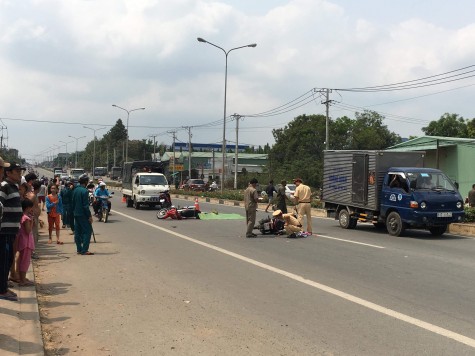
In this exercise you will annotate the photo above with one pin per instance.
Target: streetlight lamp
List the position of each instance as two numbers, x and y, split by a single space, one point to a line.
77 139
225 90
66 145
127 142
94 149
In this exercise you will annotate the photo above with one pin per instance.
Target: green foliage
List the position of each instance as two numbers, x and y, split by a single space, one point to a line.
298 151
451 125
469 215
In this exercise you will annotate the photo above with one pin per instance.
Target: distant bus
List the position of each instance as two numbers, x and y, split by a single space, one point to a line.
99 172
57 171
116 173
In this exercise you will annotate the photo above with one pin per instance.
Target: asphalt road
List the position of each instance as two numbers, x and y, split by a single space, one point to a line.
190 287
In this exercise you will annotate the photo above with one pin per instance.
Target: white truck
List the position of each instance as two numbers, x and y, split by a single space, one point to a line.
75 173
144 184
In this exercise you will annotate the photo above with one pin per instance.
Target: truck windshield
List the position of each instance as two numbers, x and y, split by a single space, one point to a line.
153 180
430 181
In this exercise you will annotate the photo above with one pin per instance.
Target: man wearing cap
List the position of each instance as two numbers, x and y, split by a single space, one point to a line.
292 225
12 213
250 204
303 197
82 217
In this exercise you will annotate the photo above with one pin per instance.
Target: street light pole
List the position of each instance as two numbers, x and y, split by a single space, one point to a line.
225 93
127 141
66 145
77 139
94 149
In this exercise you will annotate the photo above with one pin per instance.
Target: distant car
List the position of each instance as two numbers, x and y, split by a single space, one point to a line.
290 190
64 176
195 184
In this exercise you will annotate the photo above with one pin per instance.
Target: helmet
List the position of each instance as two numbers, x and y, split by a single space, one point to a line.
102 184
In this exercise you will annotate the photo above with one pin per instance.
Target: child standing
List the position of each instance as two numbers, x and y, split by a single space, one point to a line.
54 208
26 243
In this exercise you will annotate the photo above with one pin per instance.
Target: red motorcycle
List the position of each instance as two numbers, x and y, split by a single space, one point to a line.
178 213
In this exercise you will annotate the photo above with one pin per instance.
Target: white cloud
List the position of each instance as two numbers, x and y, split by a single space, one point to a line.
71 60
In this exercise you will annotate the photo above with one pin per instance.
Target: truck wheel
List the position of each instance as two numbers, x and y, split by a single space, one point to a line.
136 204
438 230
394 224
346 222
129 202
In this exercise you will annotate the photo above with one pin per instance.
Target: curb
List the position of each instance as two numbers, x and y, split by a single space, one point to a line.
21 327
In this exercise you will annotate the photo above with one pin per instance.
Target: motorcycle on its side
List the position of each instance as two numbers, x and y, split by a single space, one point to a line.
178 213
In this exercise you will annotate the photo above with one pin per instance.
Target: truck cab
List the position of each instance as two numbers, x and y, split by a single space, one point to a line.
146 189
419 198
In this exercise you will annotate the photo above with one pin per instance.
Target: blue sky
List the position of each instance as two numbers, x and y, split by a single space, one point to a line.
66 62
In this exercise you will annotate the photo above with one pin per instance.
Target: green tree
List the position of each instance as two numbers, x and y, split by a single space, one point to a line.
299 146
369 132
298 150
471 128
449 125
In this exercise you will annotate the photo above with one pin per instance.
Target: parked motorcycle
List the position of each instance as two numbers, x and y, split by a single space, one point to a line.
178 213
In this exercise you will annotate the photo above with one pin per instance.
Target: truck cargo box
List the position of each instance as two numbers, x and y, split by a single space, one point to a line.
355 177
130 168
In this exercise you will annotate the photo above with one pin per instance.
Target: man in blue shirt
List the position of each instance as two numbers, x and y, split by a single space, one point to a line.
101 191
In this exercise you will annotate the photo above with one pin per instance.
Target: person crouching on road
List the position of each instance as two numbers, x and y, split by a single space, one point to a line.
54 209
303 197
82 217
250 204
292 225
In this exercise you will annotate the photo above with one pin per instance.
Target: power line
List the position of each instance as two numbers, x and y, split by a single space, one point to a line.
461 74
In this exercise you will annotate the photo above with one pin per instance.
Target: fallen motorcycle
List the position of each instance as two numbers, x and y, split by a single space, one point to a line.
178 213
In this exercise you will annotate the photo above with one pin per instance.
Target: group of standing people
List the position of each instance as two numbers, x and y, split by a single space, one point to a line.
22 198
292 224
16 229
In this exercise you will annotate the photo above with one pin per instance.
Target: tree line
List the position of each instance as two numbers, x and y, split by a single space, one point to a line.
298 148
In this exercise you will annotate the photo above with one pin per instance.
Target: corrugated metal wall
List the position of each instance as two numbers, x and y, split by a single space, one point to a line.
338 174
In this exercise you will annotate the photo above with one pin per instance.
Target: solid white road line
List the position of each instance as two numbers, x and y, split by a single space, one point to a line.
350 241
351 298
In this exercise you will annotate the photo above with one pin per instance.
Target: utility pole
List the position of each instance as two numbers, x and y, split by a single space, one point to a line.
173 147
189 148
237 118
154 158
327 103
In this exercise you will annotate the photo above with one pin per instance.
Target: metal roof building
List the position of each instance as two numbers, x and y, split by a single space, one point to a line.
454 156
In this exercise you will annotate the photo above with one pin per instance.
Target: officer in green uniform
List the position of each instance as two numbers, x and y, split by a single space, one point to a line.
82 217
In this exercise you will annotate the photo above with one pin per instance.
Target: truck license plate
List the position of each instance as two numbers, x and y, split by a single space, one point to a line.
444 215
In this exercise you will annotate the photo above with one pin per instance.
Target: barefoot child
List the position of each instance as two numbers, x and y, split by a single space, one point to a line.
26 243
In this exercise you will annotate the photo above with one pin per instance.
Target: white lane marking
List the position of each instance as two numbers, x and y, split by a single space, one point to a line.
350 241
351 298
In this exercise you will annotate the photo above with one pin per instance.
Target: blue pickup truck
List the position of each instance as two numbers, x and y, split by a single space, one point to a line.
390 189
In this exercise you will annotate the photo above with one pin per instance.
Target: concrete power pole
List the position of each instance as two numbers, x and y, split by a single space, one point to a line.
327 103
236 156
189 149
